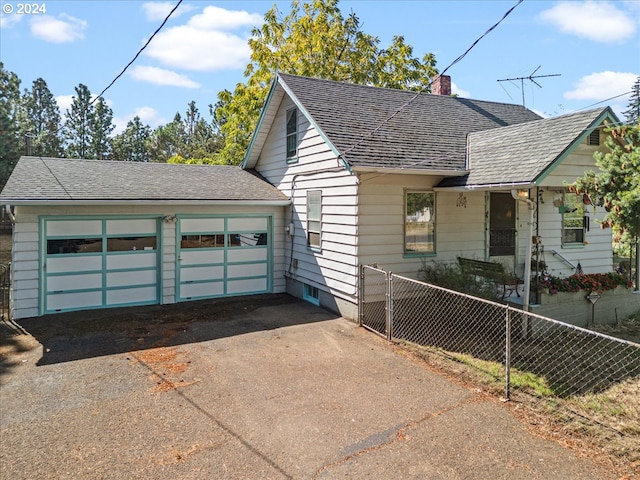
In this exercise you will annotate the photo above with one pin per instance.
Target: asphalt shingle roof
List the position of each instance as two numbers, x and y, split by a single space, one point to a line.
521 153
60 179
422 132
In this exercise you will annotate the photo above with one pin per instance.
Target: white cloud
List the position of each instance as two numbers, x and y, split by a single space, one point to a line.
155 11
160 76
595 20
601 86
458 91
205 42
8 21
64 102
148 116
63 29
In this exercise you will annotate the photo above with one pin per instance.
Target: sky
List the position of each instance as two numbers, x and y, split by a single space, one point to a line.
589 49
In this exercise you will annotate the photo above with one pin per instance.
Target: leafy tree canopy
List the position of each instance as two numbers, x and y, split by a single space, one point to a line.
616 187
313 40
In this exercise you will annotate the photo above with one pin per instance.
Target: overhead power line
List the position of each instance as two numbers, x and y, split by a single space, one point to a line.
137 54
419 92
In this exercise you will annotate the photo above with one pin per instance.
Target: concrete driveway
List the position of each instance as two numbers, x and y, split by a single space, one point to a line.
269 388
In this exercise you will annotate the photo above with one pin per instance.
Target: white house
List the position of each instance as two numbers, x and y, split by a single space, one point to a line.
336 175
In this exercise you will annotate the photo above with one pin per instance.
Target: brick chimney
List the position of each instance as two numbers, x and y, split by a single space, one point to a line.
441 85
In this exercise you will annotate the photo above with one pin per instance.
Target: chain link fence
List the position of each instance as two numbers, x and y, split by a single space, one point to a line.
523 355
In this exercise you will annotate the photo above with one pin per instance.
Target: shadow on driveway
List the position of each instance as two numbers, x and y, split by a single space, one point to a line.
93 333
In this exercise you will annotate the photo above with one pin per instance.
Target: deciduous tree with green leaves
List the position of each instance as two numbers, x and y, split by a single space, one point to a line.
314 40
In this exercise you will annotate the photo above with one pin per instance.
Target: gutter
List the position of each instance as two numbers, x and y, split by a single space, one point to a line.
259 203
12 217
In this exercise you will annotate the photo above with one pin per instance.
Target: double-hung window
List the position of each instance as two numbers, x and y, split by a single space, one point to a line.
420 223
314 219
572 220
292 134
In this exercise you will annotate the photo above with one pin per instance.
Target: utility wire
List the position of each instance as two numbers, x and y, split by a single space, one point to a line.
137 54
408 102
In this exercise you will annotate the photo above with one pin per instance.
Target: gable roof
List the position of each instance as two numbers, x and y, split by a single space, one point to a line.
537 147
37 180
373 127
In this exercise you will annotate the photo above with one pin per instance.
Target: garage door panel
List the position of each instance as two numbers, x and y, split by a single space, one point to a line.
201 225
74 282
248 270
73 228
247 224
132 260
132 295
84 263
247 255
192 274
251 285
137 277
205 289
199 257
139 226
76 300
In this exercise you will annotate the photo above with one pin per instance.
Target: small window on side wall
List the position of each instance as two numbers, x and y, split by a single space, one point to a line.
420 223
292 134
572 220
314 219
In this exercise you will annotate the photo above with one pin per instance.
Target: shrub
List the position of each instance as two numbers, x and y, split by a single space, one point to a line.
450 275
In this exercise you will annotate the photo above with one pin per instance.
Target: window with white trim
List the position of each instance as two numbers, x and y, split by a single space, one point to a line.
314 218
420 223
292 134
572 219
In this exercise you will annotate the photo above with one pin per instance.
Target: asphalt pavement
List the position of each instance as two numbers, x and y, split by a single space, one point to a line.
281 391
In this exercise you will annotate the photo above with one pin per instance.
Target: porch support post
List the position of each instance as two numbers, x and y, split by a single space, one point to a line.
527 257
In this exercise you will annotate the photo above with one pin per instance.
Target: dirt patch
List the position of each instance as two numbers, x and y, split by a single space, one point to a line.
168 366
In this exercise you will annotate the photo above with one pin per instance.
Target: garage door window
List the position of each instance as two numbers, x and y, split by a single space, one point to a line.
126 244
74 245
202 241
247 239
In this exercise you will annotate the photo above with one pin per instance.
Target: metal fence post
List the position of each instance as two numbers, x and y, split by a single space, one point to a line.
507 353
389 306
361 296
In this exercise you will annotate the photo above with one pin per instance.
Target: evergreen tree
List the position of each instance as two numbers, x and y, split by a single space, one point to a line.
131 145
167 140
76 126
100 121
633 114
10 149
42 120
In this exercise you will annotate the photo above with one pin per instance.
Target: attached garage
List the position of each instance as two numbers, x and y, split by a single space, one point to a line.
99 234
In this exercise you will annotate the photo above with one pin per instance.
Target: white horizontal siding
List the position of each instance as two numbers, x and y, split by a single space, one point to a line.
25 261
573 166
333 268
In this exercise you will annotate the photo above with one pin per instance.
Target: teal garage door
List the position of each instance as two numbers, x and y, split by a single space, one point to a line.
99 263
223 256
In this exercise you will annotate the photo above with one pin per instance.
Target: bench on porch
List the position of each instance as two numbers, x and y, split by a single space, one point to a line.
494 272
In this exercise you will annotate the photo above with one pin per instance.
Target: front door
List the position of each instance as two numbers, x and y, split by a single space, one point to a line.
502 225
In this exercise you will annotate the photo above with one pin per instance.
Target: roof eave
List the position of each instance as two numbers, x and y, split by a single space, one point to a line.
410 171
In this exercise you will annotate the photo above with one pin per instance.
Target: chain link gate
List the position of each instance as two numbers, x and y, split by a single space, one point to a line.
374 300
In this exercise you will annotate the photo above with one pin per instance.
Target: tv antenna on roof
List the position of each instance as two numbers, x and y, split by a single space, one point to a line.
531 78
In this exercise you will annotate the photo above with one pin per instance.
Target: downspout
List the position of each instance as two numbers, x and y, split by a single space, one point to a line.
12 217
527 259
